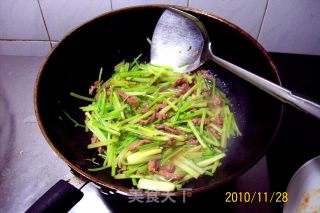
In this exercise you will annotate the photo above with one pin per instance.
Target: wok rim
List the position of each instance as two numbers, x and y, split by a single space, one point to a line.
124 190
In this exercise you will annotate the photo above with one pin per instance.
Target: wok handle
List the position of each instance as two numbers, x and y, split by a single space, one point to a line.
273 89
59 198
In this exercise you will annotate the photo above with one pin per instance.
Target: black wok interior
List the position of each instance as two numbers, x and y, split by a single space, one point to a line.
75 63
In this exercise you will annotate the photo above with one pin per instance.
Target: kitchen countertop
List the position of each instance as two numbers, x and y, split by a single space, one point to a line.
28 167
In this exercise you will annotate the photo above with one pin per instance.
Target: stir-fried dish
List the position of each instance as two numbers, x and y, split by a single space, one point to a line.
158 127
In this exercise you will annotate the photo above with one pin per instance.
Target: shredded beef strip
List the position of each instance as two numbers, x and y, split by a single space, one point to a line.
130 100
153 166
170 167
184 88
171 141
105 85
217 101
169 129
206 92
196 121
192 110
206 74
145 110
214 132
161 106
160 116
180 82
137 144
93 87
207 121
170 175
192 142
218 121
149 120
100 149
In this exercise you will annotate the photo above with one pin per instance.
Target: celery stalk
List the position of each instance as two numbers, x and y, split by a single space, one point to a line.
142 156
155 185
187 169
209 161
195 132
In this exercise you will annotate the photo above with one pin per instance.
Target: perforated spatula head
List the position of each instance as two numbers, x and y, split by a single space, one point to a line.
178 41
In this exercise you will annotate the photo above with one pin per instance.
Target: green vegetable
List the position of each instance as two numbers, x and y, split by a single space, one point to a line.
155 185
141 120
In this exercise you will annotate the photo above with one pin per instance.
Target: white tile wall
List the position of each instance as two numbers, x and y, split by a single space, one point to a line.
61 16
21 19
116 4
24 48
247 14
292 26
54 43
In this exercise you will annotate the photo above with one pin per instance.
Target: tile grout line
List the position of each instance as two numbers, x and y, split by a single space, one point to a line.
264 14
111 6
22 40
45 24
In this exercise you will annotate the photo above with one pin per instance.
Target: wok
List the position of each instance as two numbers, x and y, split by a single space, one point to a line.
75 62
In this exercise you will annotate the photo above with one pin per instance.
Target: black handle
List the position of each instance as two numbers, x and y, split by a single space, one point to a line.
59 198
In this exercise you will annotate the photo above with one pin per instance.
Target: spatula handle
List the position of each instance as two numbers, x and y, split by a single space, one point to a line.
273 89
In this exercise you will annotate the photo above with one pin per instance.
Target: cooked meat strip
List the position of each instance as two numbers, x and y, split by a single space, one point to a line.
169 129
206 74
192 142
196 121
169 114
145 110
100 149
192 110
137 144
93 87
169 175
171 141
123 95
149 120
161 106
170 167
180 81
153 166
184 88
130 100
218 121
207 121
206 92
160 116
106 85
214 132
217 101
94 139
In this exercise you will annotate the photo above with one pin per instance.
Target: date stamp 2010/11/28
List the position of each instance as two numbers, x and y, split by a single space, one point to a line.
260 197
230 197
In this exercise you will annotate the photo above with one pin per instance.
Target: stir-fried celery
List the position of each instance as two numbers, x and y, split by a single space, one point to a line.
156 126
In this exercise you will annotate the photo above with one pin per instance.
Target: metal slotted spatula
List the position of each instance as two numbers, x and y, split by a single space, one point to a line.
178 32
